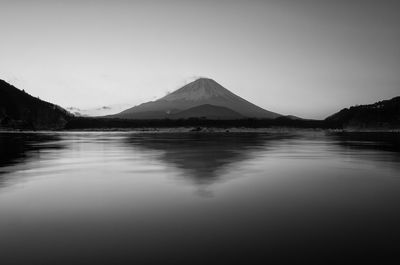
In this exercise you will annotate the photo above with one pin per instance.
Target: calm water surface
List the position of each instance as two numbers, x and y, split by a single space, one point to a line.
137 198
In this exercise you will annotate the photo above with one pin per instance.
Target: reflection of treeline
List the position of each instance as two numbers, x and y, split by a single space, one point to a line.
102 123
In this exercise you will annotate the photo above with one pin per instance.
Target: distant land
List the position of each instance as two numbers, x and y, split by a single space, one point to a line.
203 103
98 111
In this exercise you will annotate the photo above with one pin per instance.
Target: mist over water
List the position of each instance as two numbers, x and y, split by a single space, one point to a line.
115 197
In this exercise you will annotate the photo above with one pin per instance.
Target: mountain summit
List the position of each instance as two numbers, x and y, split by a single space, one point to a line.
201 89
202 98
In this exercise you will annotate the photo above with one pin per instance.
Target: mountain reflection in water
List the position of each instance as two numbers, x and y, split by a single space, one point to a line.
202 158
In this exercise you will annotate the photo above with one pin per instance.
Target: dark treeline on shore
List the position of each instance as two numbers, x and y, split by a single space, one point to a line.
104 123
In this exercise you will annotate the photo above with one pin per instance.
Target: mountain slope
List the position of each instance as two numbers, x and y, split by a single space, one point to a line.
203 91
207 111
20 110
382 114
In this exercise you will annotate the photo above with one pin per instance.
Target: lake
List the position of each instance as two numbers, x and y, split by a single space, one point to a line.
188 198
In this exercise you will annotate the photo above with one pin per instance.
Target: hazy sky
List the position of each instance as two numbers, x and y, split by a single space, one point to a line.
308 58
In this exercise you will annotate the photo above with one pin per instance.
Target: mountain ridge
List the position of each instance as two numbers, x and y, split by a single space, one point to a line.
21 111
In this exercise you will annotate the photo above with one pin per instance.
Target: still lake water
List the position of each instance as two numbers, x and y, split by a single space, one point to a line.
119 197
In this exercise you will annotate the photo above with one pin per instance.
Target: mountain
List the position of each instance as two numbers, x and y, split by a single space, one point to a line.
20 110
380 115
203 91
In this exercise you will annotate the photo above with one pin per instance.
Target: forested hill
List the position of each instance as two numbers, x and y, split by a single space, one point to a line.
380 115
19 110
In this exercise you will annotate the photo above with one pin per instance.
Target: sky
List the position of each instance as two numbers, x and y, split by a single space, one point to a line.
308 58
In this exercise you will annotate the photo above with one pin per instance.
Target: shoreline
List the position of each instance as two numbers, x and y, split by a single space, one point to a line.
200 130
